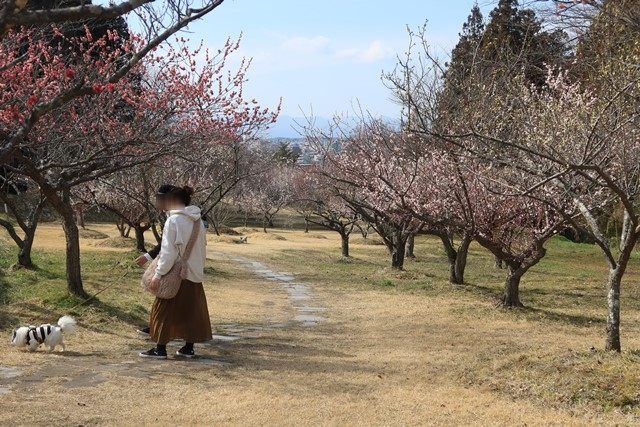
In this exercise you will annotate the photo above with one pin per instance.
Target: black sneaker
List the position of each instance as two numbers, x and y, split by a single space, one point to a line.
185 352
153 354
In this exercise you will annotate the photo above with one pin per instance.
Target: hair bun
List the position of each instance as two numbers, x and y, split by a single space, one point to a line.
187 190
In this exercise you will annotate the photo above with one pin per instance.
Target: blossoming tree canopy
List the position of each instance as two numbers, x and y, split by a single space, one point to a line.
176 99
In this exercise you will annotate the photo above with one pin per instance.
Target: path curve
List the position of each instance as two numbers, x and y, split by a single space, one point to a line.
308 311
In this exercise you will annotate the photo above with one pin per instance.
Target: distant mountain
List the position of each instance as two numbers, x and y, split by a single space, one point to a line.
291 127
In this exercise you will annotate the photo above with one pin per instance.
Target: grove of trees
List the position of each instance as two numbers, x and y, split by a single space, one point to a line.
86 102
530 130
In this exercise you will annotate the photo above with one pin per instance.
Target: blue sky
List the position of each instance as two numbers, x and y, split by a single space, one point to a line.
327 54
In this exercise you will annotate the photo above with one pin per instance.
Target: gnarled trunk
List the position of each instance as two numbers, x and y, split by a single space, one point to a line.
398 247
24 244
511 297
62 205
457 257
345 244
72 237
121 226
411 243
140 238
28 227
460 263
24 255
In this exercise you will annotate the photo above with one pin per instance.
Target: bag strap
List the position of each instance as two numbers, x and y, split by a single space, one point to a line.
192 240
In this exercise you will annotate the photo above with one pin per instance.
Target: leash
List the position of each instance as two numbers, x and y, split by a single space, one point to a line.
115 282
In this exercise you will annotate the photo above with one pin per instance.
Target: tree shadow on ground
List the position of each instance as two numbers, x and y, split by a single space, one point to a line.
573 319
7 320
541 313
42 314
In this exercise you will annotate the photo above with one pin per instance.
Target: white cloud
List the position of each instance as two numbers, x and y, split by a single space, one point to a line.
306 45
375 51
347 53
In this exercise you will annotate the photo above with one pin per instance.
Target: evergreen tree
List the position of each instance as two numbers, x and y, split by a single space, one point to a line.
285 154
611 46
464 54
515 42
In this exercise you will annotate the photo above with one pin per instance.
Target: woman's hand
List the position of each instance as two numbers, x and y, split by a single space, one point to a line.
154 284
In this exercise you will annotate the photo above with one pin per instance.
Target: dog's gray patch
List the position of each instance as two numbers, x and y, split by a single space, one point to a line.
7 372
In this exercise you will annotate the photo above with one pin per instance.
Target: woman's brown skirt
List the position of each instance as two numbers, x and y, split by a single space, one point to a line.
185 316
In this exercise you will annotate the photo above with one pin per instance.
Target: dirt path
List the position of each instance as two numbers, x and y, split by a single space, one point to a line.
307 310
285 353
254 313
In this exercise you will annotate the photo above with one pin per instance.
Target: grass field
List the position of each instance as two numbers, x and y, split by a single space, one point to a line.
396 348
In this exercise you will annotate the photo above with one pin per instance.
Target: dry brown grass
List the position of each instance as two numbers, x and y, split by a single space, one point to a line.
396 349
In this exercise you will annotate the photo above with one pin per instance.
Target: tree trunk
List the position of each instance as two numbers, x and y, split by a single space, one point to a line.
306 225
626 229
156 234
28 226
62 204
613 311
24 244
613 291
345 244
121 227
457 257
215 226
511 297
80 218
364 231
24 255
411 243
460 263
398 250
140 238
74 275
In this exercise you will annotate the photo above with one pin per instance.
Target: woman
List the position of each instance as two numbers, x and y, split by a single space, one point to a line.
185 316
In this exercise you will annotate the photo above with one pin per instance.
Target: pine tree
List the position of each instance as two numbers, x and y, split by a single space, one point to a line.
611 45
464 54
515 42
285 154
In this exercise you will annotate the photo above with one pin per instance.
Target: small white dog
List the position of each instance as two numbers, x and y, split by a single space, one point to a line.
31 337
